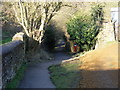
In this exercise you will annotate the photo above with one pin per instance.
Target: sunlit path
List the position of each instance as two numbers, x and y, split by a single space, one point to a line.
100 68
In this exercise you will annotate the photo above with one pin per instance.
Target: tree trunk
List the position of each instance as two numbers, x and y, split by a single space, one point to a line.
41 29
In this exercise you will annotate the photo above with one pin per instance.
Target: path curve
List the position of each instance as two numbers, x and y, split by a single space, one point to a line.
37 75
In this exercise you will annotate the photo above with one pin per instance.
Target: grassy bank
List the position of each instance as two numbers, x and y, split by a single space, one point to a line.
66 75
5 38
5 41
19 75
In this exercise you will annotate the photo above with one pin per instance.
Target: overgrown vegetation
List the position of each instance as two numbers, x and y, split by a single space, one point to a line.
83 29
66 75
19 75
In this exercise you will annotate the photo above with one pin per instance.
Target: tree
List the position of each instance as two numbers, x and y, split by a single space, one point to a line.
34 17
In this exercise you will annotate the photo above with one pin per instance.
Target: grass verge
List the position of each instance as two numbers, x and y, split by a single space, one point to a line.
5 41
19 75
66 75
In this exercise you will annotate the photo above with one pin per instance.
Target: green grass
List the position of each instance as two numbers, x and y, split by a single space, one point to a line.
5 41
111 42
66 75
6 37
19 75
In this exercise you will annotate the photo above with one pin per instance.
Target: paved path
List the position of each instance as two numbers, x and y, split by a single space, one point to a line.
37 75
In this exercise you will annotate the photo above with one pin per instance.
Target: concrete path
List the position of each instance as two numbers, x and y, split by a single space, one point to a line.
37 75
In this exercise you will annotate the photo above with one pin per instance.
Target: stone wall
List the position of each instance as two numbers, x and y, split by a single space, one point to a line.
106 34
12 56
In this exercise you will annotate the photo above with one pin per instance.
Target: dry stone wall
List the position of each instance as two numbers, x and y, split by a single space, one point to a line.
12 56
106 34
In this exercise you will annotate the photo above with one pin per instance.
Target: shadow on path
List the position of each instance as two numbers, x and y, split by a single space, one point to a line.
37 75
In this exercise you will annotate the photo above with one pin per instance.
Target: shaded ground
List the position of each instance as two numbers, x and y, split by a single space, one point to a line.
100 67
37 75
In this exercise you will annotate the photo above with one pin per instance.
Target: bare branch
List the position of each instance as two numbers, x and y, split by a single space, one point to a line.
16 14
35 16
21 12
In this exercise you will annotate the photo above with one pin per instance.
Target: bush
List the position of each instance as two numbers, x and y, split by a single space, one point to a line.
97 15
82 32
83 29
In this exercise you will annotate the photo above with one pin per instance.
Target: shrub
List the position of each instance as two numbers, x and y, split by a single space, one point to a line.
97 15
83 29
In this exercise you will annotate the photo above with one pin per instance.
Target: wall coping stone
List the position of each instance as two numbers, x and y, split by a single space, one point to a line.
8 47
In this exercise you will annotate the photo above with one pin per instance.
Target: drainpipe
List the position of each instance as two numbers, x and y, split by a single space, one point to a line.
114 30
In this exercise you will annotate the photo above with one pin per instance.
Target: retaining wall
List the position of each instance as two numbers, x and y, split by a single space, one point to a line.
12 56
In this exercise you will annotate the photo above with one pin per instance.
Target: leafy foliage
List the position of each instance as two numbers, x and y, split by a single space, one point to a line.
97 14
83 29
